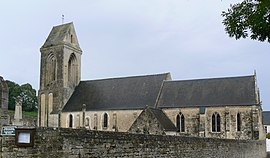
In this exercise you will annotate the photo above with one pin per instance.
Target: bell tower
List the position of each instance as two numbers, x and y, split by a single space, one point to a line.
60 73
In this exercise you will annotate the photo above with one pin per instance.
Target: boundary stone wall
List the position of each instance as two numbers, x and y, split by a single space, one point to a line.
82 143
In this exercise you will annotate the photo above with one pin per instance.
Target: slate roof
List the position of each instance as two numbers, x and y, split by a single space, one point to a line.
209 92
61 35
163 119
116 93
266 117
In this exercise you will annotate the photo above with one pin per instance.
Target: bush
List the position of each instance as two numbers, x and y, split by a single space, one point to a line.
268 135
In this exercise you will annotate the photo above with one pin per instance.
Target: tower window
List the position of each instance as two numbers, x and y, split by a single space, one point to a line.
180 122
72 69
71 39
51 68
216 122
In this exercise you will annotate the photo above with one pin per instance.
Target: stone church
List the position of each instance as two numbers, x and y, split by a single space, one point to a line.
154 104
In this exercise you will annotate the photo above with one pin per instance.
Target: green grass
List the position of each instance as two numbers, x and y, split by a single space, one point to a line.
32 113
25 113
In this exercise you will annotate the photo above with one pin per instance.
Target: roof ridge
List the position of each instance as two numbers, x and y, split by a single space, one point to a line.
63 24
124 77
215 78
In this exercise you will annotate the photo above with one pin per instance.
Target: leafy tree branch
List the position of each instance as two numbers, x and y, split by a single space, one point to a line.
28 94
250 18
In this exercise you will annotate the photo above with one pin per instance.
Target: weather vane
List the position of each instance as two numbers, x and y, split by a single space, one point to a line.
63 18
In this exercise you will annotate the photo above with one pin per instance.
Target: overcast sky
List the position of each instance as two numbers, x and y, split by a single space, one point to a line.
132 37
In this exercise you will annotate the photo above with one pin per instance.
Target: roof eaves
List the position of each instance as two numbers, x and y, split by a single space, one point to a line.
127 77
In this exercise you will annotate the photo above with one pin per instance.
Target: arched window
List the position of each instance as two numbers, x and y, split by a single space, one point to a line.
238 122
95 122
218 123
105 120
51 68
215 122
87 122
72 69
180 122
71 39
70 124
114 121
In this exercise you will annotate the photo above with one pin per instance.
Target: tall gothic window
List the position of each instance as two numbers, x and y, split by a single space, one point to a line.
71 39
114 121
105 120
72 69
70 124
51 68
238 122
216 122
87 122
180 122
95 122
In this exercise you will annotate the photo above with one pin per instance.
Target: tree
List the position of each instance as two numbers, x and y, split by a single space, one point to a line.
29 97
14 91
250 18
268 135
28 94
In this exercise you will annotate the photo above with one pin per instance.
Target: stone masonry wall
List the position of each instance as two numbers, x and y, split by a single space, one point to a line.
81 143
196 123
147 123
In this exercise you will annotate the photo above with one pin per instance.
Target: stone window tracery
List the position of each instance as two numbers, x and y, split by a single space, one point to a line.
216 122
72 69
180 122
51 68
